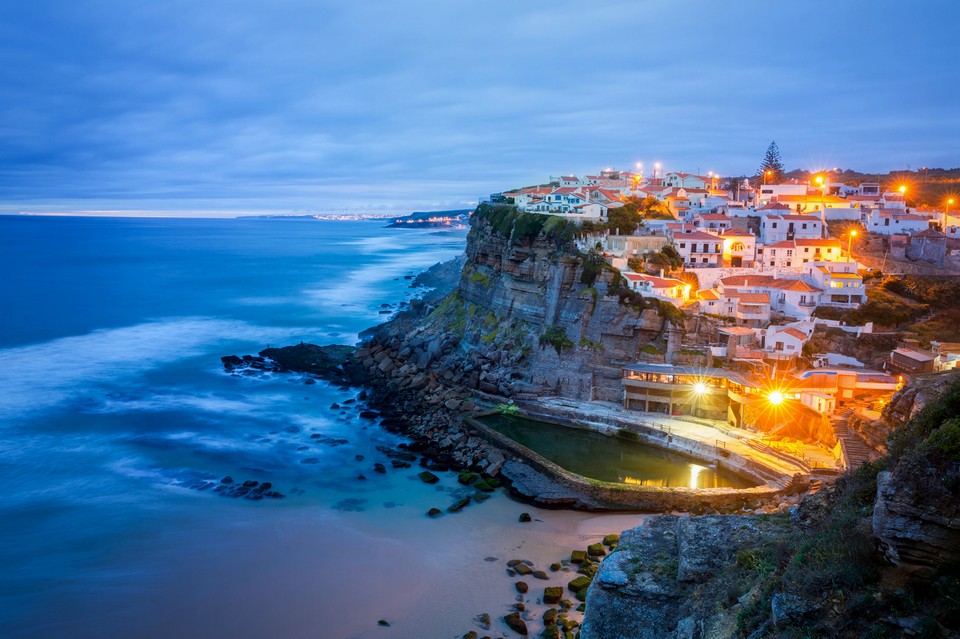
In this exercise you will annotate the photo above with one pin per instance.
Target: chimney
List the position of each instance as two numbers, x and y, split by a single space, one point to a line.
661 272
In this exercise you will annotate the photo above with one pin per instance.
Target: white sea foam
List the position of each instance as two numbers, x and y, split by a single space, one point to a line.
39 376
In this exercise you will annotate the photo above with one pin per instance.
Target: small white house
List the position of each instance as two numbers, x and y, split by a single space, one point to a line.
780 227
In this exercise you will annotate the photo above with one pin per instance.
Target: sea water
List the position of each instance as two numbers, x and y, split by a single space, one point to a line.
115 414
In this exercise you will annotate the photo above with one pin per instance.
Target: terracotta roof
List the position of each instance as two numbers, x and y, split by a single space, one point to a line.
793 333
708 294
720 217
695 235
656 282
774 206
752 298
796 285
830 241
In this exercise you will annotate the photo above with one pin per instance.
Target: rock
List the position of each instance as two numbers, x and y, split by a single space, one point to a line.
523 569
483 620
554 567
384 623
470 635
380 468
539 574
596 550
578 584
433 512
516 624
552 595
459 505
787 609
334 406
525 518
550 616
578 556
428 478
324 362
611 540
227 480
521 587
551 632
467 478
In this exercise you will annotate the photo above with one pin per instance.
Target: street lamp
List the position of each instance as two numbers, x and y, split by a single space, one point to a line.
775 398
656 168
949 204
903 189
852 234
766 174
699 388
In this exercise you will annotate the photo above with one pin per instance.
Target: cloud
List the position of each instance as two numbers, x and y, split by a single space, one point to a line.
376 104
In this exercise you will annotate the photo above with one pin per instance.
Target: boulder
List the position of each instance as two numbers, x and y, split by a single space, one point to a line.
428 478
552 595
515 623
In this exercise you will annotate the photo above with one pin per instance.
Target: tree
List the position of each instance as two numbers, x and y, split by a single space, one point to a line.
771 162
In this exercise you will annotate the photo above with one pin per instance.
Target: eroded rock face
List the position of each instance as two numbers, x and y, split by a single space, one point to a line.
915 534
642 590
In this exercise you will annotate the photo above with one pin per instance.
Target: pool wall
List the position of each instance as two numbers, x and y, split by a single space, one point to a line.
610 495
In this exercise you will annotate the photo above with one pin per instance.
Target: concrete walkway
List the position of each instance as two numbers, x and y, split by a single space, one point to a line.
742 442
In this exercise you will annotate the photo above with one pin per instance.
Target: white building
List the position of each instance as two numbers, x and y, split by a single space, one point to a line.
698 249
669 289
687 180
889 221
841 284
780 227
792 297
796 253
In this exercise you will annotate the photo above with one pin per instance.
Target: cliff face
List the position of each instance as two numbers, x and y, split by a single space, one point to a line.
564 331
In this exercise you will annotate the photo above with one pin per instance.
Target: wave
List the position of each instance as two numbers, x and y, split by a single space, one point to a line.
39 376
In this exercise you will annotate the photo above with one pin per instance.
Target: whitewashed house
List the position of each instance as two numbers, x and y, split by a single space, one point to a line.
779 227
889 221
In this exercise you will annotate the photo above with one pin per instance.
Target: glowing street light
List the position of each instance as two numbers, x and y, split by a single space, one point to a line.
949 204
699 388
852 234
775 398
902 189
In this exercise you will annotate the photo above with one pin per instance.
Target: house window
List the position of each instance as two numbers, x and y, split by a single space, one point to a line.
704 260
737 246
806 250
774 225
773 263
683 245
804 226
789 252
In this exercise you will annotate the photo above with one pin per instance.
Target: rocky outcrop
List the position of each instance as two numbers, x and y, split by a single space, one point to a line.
324 362
914 533
653 584
912 398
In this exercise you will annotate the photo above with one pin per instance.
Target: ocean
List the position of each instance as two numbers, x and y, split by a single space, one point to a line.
117 419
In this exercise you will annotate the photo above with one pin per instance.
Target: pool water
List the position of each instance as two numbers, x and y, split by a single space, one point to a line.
611 459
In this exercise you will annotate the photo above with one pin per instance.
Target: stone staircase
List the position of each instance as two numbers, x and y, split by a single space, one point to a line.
855 450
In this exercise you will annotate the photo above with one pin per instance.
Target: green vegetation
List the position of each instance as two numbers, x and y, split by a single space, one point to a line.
587 344
593 264
667 258
650 349
480 278
508 408
772 164
555 336
508 221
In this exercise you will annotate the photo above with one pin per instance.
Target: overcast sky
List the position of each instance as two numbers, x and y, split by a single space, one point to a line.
368 105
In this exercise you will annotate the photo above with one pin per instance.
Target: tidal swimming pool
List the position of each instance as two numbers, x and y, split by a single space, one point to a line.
611 458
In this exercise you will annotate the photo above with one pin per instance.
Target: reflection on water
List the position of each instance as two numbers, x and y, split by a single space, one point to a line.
610 458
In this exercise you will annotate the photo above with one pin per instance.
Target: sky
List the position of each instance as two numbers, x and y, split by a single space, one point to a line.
294 106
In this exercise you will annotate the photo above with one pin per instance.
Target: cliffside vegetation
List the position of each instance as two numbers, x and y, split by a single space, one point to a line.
511 223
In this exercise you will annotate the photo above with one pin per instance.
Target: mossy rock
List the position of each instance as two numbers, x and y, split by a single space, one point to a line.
487 485
581 595
582 607
523 569
481 497
427 477
588 569
460 505
525 518
550 617
434 512
551 632
467 478
579 583
611 540
552 595
471 635
577 556
555 567
521 587
515 623
596 550
565 604
539 574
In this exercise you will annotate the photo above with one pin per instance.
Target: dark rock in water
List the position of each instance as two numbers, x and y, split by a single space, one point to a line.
361 477
399 463
521 587
467 478
525 518
539 574
309 381
385 312
460 505
231 362
334 406
322 361
433 512
550 617
428 478
380 468
596 550
552 595
471 635
250 483
516 624
227 480
358 457
480 497
349 401
369 414
490 559
384 623
483 620
363 395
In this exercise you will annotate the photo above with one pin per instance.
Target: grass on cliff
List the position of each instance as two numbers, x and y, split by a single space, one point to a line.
509 222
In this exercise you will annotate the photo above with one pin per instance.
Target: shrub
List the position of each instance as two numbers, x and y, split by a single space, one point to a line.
555 336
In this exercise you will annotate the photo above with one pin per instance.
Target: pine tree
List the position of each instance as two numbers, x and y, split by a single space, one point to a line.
771 162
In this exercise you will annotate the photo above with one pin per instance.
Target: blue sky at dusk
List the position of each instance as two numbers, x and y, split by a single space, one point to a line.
370 106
